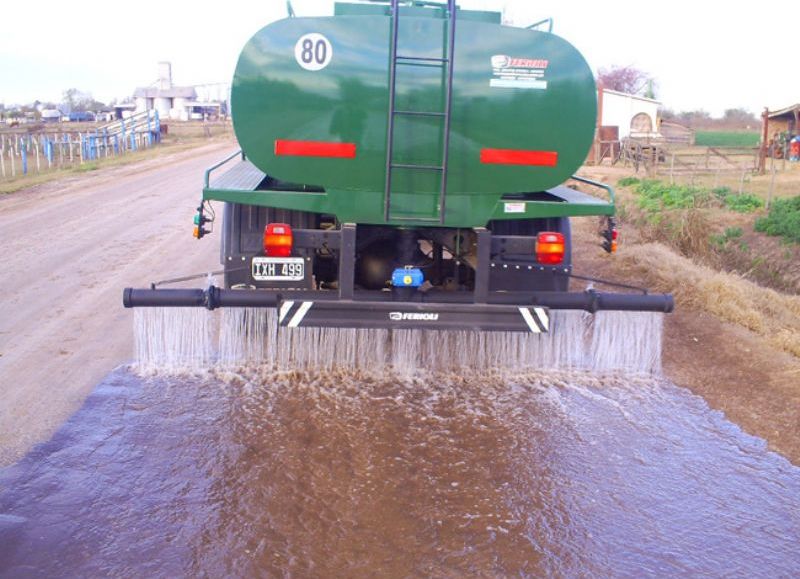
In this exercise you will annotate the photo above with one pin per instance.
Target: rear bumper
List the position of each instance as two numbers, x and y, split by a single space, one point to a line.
502 311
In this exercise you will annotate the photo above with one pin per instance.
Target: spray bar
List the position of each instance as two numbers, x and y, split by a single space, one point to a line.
503 311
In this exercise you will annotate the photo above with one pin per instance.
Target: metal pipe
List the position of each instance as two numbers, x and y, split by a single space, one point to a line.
605 186
451 49
549 21
162 298
395 10
207 176
214 297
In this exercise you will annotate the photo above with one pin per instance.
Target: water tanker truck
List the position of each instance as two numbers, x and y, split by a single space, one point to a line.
402 165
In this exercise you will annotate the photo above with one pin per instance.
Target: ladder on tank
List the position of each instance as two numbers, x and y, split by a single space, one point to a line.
447 62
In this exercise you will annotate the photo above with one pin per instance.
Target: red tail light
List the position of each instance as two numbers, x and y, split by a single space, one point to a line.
550 248
278 240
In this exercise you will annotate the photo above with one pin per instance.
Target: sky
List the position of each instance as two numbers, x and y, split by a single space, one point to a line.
703 55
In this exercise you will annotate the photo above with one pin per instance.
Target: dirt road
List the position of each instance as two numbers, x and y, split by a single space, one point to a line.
69 250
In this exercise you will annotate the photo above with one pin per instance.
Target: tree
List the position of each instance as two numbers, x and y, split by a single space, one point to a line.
694 119
627 79
740 118
75 100
667 114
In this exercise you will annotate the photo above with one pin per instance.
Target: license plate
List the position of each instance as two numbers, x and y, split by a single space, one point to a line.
279 269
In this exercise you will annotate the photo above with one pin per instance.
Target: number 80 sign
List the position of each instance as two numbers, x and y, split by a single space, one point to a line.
313 51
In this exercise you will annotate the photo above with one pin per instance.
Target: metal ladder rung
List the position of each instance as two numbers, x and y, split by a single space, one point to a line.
423 58
446 64
421 167
418 113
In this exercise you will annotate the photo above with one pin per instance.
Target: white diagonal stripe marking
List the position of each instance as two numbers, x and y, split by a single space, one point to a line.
543 318
529 320
285 307
301 313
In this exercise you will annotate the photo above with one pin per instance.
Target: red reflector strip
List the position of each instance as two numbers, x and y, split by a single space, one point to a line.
516 157
315 149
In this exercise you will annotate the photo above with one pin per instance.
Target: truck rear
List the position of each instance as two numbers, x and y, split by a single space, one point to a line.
402 165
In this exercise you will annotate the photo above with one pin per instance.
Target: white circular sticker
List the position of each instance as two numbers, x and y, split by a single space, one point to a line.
313 51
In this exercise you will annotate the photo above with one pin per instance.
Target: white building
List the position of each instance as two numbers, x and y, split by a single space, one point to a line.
171 102
634 115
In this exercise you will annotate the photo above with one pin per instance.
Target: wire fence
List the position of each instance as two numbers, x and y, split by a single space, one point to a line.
709 165
47 150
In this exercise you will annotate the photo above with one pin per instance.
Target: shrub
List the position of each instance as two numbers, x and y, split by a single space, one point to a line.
744 203
741 203
783 220
729 234
628 181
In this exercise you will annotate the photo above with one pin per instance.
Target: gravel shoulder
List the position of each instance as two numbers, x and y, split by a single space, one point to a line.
70 248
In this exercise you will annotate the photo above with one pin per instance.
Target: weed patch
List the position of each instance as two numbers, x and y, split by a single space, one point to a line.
783 220
657 196
729 235
628 181
739 202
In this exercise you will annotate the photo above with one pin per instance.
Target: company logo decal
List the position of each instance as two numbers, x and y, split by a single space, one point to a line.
518 72
413 316
504 61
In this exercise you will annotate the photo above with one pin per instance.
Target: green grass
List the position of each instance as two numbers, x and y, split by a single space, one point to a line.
655 196
726 139
783 219
741 203
628 181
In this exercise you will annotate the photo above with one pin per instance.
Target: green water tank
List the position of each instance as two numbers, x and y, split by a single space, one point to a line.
311 102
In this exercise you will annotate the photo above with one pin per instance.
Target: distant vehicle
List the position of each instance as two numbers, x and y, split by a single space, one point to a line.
51 115
81 117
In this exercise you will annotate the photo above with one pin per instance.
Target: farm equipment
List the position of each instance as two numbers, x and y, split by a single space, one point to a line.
402 166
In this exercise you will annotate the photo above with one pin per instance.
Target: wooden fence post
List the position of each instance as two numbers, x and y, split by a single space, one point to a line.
771 182
24 157
741 182
672 170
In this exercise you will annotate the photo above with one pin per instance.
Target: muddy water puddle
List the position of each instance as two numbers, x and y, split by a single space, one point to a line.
246 474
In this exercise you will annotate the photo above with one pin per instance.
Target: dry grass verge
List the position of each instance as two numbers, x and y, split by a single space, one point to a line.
770 314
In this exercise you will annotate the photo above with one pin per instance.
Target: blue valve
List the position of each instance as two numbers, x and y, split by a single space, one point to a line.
407 277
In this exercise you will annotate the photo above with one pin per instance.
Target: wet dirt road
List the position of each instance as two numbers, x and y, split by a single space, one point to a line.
68 250
244 474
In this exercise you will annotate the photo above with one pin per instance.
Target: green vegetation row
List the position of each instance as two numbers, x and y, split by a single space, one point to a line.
656 196
726 139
